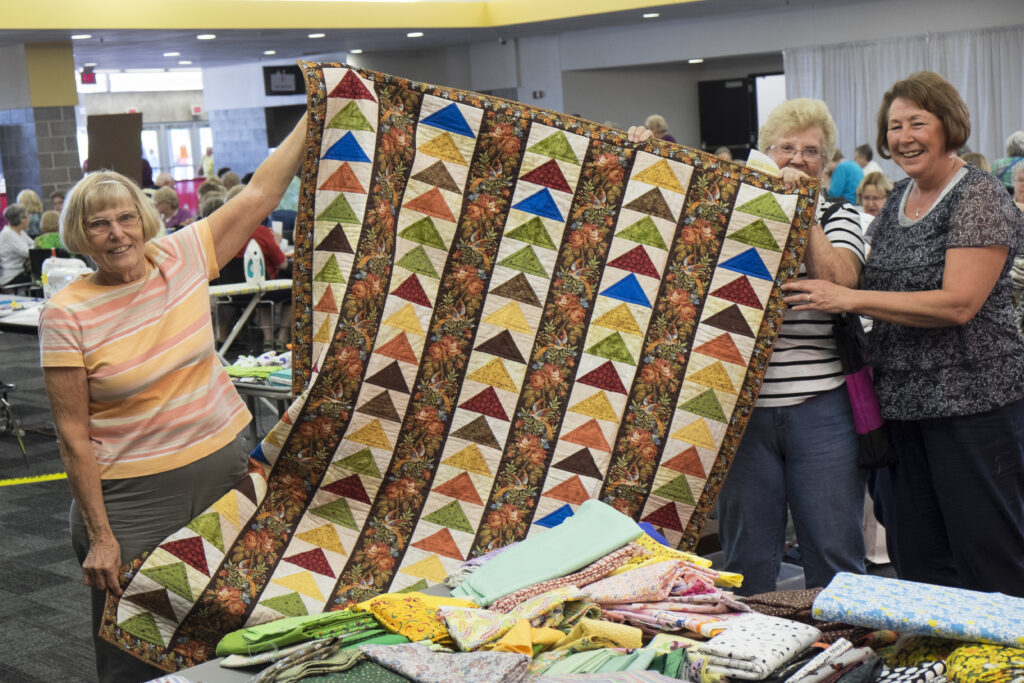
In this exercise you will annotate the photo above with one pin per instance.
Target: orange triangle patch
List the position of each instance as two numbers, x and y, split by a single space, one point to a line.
399 348
343 180
461 488
326 303
589 435
687 462
722 347
571 491
441 543
433 204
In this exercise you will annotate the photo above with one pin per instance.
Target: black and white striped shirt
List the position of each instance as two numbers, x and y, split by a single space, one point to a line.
805 363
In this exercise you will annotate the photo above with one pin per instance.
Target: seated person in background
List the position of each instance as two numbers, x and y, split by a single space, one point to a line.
1003 168
164 179
1018 185
14 246
871 195
57 199
977 159
863 157
724 153
657 125
174 216
230 179
222 170
34 205
210 185
49 225
845 178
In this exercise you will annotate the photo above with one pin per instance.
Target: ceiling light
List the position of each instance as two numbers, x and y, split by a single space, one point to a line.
81 36
651 15
357 51
317 35
270 52
206 36
144 71
89 65
694 61
172 54
184 62
414 34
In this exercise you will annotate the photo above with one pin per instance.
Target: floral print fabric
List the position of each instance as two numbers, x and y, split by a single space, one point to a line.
420 664
985 664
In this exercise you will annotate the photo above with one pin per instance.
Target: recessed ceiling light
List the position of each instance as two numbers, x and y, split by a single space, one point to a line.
270 52
357 51
184 62
206 36
414 34
88 65
651 15
81 36
172 54
694 61
316 35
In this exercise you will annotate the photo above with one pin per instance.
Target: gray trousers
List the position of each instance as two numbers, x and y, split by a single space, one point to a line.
143 511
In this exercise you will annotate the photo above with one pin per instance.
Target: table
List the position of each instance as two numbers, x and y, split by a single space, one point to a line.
276 397
241 289
24 320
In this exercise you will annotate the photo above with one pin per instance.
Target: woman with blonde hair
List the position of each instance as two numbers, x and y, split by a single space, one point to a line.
49 226
34 205
657 125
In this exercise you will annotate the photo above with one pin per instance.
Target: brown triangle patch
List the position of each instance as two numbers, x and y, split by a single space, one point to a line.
687 462
155 601
336 240
723 348
441 543
589 434
343 180
461 487
652 203
519 289
580 462
437 174
399 348
381 406
432 203
477 431
390 377
571 491
503 346
247 488
731 320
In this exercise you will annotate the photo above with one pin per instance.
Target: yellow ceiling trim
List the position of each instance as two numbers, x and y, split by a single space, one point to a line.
75 15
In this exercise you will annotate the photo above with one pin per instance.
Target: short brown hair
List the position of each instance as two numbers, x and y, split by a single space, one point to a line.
168 195
933 93
98 191
50 221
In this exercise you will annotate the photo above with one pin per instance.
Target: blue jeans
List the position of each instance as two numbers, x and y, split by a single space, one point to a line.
804 456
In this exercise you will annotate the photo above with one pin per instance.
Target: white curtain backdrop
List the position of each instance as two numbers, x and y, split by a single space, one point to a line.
986 66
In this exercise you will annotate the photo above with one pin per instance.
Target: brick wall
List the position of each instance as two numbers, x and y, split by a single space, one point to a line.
39 150
239 138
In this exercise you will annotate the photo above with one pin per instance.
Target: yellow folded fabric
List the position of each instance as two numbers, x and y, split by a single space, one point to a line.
413 615
523 637
593 634
656 552
666 642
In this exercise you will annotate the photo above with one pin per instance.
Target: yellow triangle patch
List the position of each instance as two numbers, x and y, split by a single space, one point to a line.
661 175
620 319
714 376
430 569
303 583
597 406
696 433
323 335
227 506
511 317
405 319
323 537
371 434
470 459
495 375
444 148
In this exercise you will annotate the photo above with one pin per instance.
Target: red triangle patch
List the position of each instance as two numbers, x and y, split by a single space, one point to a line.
399 348
326 303
571 491
412 290
431 203
739 291
722 347
352 88
589 435
548 175
666 517
687 462
461 487
190 551
314 560
636 261
350 487
604 377
441 543
486 402
343 180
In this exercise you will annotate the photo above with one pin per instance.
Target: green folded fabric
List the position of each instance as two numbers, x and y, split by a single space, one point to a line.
291 630
594 531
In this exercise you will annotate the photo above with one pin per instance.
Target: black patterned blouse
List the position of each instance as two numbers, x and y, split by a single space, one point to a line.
960 370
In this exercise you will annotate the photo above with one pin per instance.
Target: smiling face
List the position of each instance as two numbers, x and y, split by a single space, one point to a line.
872 199
802 150
916 137
1018 183
116 237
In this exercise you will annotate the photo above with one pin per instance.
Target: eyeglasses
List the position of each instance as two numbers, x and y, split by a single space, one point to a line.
808 153
102 226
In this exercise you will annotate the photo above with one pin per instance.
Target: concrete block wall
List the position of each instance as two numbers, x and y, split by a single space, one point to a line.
57 145
18 152
239 138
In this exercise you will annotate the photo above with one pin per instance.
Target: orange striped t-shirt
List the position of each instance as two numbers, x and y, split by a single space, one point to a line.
158 396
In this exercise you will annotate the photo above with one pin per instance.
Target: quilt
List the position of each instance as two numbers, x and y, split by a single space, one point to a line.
502 312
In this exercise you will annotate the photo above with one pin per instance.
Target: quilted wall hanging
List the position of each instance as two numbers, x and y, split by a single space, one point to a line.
502 312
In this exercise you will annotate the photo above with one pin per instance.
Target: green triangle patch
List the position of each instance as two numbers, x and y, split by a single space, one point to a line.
290 605
614 348
338 512
339 211
646 232
173 577
425 232
533 232
556 147
330 272
418 262
756 234
678 490
765 206
525 260
361 462
143 626
350 118
706 405
451 516
418 586
208 526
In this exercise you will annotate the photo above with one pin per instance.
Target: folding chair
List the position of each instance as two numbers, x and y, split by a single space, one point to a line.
10 424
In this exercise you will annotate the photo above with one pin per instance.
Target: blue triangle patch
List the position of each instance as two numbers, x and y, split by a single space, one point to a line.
346 149
257 454
450 119
628 289
748 263
540 204
555 518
